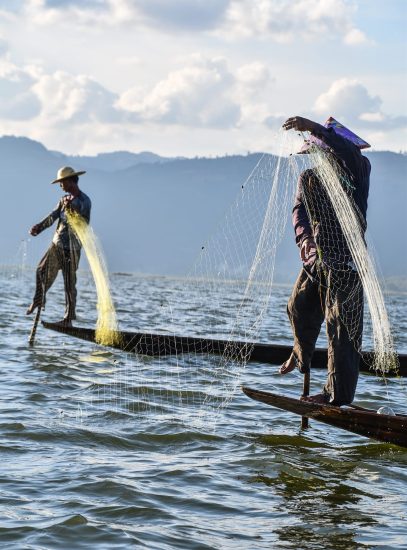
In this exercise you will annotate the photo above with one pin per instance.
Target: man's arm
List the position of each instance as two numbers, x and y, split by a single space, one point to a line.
343 149
46 222
301 124
304 236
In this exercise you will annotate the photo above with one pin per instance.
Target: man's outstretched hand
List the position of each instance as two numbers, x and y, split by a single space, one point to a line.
34 230
299 123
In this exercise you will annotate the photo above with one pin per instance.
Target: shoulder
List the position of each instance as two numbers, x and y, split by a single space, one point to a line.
366 162
84 197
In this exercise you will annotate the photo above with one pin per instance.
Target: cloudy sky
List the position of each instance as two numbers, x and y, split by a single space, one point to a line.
199 77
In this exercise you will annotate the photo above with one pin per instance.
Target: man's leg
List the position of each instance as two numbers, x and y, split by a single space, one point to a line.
70 262
306 316
343 351
46 274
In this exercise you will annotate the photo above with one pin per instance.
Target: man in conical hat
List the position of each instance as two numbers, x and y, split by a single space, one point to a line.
64 252
328 286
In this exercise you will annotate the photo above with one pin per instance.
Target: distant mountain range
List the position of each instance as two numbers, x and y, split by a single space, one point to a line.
153 214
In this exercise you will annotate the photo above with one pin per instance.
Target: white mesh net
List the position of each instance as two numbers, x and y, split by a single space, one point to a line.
343 250
226 295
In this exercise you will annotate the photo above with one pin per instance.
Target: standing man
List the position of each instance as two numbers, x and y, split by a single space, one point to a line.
328 286
65 249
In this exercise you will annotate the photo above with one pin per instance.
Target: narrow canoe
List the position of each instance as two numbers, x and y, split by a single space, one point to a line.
169 344
365 422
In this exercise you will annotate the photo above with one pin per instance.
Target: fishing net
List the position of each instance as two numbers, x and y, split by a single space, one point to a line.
107 332
343 251
173 366
190 359
228 291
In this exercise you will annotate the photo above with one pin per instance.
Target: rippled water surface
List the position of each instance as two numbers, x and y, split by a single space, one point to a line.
103 450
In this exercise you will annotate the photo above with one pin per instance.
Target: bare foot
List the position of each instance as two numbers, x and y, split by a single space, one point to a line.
289 365
319 399
30 309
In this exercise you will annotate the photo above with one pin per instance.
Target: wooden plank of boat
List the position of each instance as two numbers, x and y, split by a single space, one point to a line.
169 344
366 422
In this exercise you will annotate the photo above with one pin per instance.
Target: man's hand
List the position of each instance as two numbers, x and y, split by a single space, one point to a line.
308 248
34 230
67 203
299 123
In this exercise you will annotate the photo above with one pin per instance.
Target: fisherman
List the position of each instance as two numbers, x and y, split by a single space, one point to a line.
64 252
328 286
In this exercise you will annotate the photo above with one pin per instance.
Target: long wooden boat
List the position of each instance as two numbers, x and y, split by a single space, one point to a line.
169 344
365 422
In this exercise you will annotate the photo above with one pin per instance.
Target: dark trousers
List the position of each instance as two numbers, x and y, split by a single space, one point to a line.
55 259
310 303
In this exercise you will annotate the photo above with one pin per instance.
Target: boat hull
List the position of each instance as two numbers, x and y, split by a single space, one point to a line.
365 422
157 345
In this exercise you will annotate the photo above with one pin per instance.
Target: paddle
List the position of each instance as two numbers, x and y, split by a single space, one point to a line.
33 332
34 327
305 393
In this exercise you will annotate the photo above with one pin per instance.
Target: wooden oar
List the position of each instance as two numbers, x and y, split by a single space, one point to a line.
33 332
305 393
34 327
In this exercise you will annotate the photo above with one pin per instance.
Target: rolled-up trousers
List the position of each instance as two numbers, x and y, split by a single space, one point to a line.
310 303
57 258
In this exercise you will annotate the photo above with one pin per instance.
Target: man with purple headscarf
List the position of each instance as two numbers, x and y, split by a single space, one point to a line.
328 280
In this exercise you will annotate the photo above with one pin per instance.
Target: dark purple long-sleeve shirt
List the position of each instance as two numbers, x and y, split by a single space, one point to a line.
357 170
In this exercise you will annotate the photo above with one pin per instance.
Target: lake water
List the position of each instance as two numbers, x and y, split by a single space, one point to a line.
100 449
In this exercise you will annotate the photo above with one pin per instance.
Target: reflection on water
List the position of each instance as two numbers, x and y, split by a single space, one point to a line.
113 450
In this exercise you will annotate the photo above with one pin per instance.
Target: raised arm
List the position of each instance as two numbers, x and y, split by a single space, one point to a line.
342 148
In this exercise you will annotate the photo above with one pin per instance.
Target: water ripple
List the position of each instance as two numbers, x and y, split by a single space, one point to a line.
106 450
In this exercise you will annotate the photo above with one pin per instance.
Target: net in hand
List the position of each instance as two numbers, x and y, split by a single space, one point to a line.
343 251
227 293
107 331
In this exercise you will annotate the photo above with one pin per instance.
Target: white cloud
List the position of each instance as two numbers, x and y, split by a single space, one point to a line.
142 93
372 117
199 94
129 61
280 20
74 98
202 93
28 93
17 100
254 75
354 37
285 20
80 12
346 99
165 14
383 122
205 92
202 99
253 89
349 101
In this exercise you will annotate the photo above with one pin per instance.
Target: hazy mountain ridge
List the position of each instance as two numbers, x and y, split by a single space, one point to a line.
153 214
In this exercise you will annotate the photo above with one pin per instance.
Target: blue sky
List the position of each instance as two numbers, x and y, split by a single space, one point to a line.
199 77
